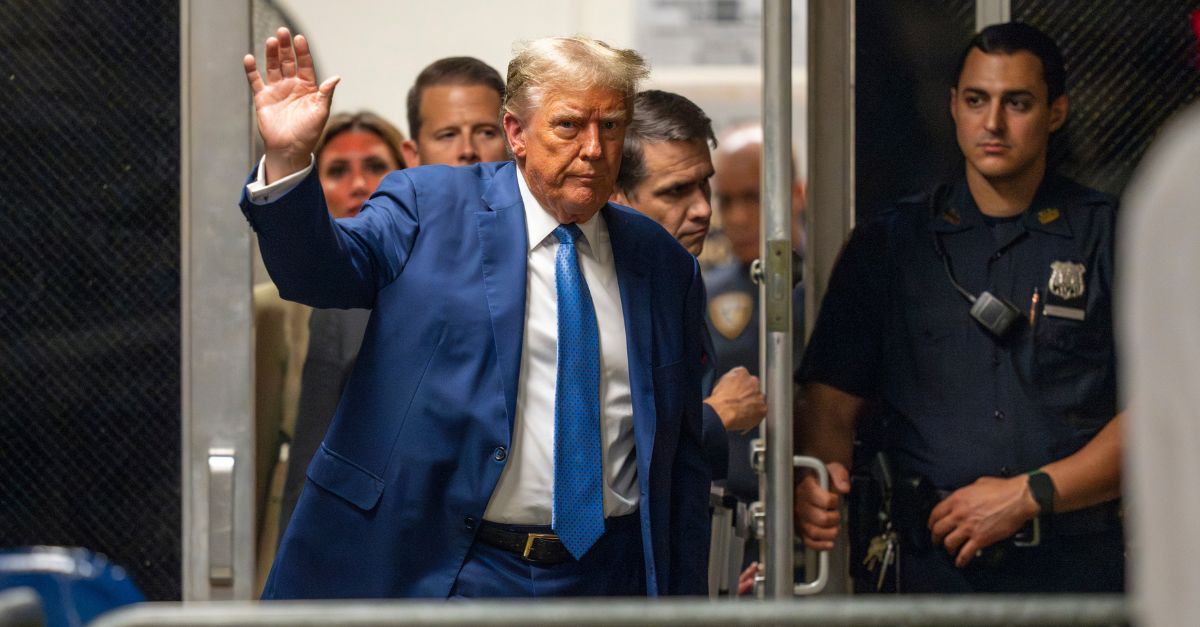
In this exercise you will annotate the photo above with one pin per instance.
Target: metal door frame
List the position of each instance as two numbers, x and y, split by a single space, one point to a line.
217 313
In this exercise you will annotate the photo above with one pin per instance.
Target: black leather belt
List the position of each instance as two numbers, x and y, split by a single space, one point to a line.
535 548
537 545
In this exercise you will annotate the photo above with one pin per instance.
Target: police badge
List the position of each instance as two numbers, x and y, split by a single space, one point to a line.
730 313
1066 279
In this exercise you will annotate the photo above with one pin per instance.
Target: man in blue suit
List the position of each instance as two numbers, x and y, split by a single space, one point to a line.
524 417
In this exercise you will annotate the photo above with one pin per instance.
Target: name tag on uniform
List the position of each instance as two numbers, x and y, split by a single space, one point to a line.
1059 311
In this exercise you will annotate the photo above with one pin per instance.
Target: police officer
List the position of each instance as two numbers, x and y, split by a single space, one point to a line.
732 296
976 323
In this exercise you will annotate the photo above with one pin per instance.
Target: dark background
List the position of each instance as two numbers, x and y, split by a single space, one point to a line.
89 282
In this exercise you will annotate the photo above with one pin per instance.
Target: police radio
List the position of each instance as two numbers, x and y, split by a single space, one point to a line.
992 312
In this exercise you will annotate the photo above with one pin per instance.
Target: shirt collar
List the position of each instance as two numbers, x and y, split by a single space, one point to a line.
540 224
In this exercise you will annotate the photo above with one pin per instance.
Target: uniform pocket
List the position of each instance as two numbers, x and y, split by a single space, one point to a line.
1072 363
932 343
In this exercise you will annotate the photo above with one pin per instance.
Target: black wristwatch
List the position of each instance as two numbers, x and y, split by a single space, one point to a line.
1042 488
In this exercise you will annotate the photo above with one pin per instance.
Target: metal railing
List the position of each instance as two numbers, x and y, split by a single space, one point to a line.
933 611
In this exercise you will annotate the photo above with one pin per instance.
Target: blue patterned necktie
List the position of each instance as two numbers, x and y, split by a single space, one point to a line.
578 484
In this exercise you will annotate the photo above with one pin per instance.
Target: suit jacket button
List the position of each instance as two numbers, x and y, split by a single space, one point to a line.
499 454
469 523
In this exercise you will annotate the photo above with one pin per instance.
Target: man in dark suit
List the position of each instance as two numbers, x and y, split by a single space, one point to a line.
666 166
454 119
524 417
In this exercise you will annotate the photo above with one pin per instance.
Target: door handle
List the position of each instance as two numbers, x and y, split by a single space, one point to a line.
817 584
221 462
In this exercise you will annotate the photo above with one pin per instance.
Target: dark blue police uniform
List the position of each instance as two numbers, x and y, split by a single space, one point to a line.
958 403
733 321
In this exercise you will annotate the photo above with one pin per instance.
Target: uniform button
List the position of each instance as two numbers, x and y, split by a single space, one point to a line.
499 454
469 523
1004 472
996 255
999 415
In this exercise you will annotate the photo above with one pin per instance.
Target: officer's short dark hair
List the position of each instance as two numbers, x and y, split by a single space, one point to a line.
659 116
1013 37
450 71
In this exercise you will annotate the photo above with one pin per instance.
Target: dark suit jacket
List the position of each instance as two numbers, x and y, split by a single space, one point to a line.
406 470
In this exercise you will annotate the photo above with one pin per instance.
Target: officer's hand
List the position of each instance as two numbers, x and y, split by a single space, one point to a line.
290 106
746 579
981 514
737 400
817 515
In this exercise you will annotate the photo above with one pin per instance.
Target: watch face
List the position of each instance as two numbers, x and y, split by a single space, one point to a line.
1042 488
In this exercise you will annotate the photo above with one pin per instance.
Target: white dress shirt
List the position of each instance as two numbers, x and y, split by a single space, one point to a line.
524 494
260 193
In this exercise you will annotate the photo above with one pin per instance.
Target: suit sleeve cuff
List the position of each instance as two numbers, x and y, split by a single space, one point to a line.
260 193
715 442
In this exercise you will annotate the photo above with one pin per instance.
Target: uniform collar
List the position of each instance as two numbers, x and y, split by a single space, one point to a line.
541 224
1047 213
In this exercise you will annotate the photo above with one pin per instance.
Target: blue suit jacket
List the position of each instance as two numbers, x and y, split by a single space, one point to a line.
397 489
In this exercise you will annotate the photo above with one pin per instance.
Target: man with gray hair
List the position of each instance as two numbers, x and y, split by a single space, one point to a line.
524 416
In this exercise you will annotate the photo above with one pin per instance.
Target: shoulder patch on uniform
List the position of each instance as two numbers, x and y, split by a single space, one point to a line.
730 313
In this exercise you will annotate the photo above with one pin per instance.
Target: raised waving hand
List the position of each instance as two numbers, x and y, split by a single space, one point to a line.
290 106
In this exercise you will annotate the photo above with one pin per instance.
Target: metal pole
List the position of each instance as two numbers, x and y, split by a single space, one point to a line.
776 254
831 172
831 105
923 611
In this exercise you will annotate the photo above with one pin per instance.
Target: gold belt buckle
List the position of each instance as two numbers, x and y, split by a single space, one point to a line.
534 536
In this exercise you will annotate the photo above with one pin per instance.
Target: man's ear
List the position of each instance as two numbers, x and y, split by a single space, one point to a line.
408 150
1058 112
954 104
514 132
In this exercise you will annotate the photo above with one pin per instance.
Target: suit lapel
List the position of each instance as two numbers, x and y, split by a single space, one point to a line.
504 250
635 300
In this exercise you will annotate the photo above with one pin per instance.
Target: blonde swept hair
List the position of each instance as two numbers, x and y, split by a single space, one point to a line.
573 63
